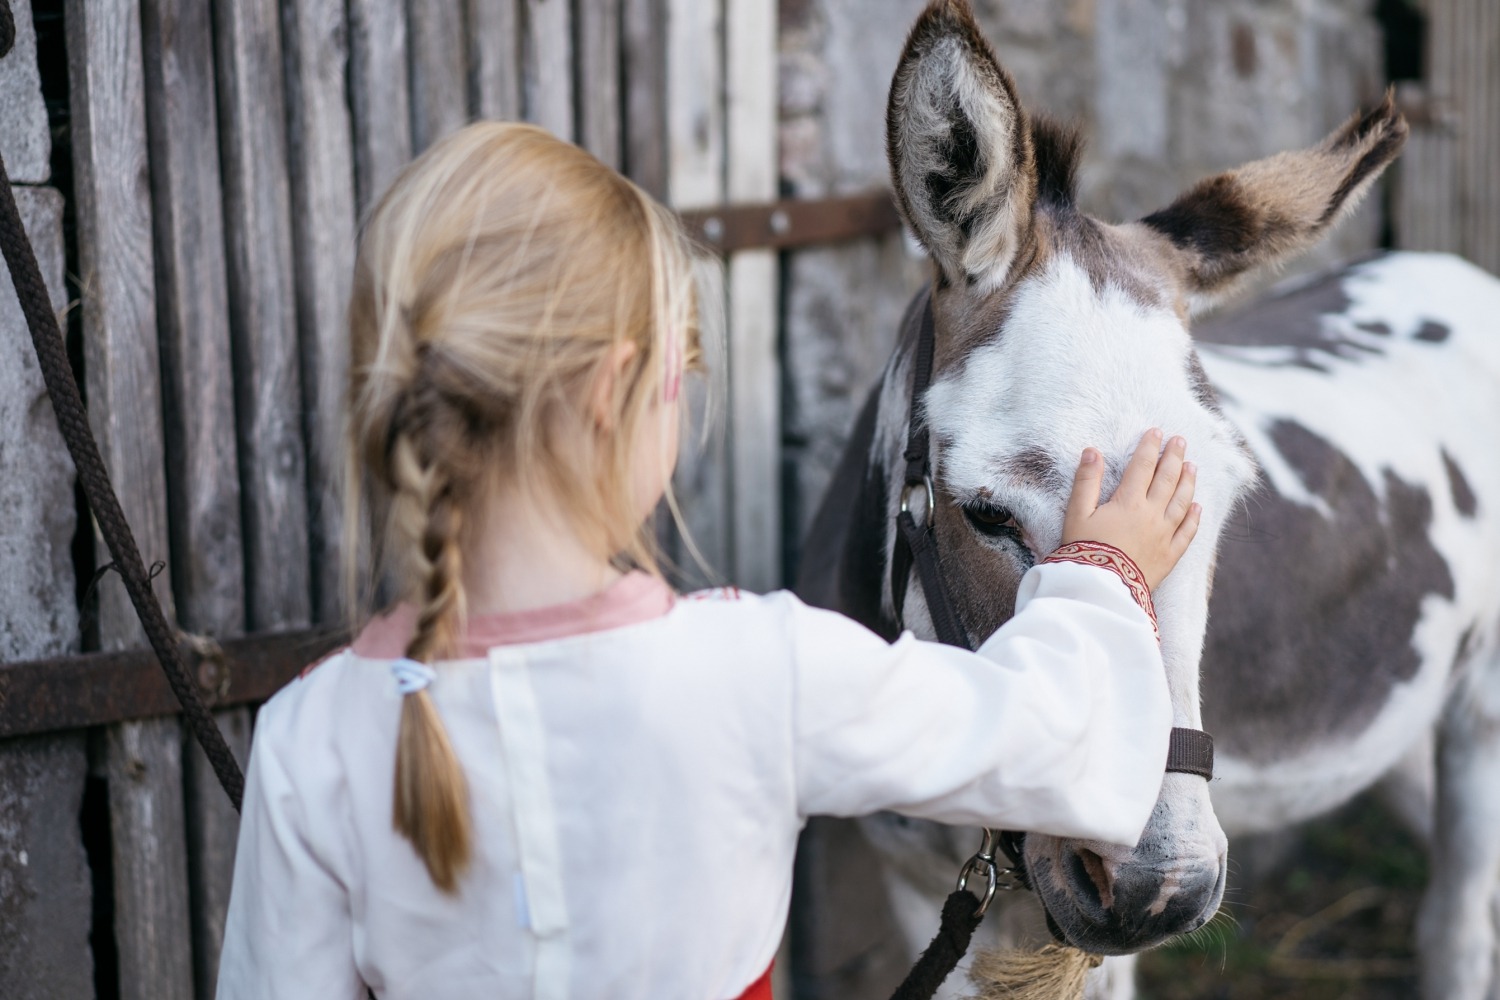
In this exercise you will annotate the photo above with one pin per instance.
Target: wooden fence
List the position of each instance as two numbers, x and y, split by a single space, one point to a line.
215 158
221 155
1447 191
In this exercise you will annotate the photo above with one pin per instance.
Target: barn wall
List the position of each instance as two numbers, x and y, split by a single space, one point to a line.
1166 92
237 209
44 877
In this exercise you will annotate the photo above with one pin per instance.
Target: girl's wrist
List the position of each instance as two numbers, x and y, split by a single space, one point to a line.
1118 562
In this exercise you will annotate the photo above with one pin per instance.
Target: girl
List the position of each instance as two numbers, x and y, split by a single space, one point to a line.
598 784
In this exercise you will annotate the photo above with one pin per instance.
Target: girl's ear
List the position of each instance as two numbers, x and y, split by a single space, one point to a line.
602 396
960 147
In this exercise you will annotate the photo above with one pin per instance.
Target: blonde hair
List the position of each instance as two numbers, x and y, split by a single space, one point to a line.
494 283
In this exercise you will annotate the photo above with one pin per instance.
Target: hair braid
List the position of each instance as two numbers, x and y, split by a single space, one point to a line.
431 797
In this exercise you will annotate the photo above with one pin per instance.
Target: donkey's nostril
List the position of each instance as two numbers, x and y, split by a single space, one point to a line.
1098 874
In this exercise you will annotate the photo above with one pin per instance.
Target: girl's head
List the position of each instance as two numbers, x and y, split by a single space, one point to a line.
519 321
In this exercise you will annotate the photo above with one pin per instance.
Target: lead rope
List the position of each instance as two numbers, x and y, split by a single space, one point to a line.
916 547
1056 972
73 421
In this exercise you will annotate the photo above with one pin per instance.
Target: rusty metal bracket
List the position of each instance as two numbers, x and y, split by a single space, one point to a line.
783 225
72 692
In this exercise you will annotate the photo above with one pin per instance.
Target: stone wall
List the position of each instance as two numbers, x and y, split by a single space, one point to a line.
44 876
1166 92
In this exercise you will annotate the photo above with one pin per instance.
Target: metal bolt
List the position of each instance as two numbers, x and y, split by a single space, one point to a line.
713 229
781 223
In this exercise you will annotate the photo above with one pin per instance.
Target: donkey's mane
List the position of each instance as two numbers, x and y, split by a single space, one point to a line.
1058 148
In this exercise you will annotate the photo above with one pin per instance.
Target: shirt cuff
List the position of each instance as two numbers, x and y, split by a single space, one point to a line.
1117 562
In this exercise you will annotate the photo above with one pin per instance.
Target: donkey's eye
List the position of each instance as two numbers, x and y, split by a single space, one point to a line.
992 519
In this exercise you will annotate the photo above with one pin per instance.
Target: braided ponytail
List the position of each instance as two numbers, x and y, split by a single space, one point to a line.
431 806
496 284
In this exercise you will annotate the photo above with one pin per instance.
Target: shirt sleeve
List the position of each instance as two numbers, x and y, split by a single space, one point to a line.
288 933
1058 724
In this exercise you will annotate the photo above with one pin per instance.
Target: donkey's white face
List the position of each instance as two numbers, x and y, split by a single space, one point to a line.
1055 332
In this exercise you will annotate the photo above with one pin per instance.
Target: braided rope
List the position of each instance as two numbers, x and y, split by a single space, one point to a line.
72 419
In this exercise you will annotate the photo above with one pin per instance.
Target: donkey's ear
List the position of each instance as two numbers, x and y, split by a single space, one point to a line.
960 146
1270 209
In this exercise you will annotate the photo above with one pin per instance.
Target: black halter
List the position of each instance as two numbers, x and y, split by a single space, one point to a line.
1190 751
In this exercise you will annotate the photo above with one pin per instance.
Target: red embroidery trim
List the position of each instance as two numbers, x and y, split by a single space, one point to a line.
1110 558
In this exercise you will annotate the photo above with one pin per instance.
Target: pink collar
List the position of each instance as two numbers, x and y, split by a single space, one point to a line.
633 598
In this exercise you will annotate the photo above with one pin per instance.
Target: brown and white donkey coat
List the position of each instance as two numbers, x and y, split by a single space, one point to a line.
1344 434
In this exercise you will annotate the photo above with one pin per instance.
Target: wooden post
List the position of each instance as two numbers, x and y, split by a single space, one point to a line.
695 130
548 66
1424 206
262 311
494 59
142 759
439 71
45 905
192 301
598 79
1464 83
379 99
322 176
644 129
754 373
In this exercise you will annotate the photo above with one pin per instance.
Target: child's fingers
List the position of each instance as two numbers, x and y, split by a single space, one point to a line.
1168 470
1182 495
1142 465
1187 529
1087 482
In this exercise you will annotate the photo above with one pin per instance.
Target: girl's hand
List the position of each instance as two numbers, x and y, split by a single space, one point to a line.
1151 517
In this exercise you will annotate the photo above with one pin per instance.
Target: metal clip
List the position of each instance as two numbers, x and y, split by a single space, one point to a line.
995 877
931 497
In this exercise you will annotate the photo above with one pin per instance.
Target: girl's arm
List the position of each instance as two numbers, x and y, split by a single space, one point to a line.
1059 724
288 933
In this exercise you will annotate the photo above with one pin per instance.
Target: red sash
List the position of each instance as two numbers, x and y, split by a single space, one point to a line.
761 988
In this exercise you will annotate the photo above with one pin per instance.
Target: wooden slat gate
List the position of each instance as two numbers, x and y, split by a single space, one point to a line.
1447 191
220 156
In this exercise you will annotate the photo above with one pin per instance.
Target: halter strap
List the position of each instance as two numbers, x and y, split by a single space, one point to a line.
916 544
1189 751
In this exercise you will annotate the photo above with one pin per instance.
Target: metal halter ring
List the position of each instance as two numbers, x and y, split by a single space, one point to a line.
984 860
931 497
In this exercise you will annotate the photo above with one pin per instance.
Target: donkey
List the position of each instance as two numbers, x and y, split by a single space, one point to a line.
1345 439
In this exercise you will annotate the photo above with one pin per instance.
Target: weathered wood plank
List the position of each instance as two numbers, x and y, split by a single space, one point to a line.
143 765
263 320
643 51
45 894
192 306
212 831
1464 61
598 34
198 403
322 176
754 374
695 138
547 81
113 207
495 59
1424 205
439 69
695 112
379 96
112 202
